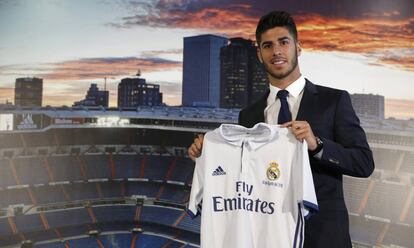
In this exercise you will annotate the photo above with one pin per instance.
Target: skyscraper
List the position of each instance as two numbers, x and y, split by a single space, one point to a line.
95 97
133 92
201 70
28 91
243 77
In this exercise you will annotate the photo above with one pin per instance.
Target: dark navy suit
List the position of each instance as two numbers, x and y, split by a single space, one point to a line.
345 152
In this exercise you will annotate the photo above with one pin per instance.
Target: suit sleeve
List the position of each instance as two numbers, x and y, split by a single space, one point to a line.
348 153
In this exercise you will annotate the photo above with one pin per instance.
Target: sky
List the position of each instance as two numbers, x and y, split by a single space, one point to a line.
360 46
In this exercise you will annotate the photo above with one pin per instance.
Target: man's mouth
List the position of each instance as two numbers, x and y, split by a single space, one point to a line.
278 61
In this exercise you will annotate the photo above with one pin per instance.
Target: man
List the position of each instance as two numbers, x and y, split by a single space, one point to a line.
322 116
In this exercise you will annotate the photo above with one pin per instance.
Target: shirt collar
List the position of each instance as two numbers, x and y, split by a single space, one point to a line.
294 88
256 136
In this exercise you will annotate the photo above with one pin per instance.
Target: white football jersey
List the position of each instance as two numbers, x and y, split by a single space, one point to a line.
254 187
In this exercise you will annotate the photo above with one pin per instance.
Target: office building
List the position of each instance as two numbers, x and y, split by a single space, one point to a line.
201 70
94 97
243 77
133 92
28 91
368 105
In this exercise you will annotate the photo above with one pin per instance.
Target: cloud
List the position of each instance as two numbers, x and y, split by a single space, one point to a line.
154 53
210 19
373 29
67 81
92 68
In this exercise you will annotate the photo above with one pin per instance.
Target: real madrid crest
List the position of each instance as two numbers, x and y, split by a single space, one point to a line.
273 171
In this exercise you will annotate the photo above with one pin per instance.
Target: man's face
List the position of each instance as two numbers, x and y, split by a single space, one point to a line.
278 51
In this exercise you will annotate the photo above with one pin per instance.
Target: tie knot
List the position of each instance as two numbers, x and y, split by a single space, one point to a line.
282 94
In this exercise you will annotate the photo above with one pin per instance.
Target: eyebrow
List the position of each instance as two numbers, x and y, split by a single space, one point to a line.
279 39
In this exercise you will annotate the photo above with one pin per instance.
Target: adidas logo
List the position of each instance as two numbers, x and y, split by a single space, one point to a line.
219 172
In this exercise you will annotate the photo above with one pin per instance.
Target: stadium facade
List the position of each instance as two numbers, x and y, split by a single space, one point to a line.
78 177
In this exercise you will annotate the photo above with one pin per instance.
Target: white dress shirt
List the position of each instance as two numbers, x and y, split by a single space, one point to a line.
295 90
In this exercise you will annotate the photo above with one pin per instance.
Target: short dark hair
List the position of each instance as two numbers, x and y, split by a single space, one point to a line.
276 19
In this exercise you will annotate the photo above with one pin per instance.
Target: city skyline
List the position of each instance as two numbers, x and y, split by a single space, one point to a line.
71 44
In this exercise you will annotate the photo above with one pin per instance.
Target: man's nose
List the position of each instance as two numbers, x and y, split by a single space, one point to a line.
277 50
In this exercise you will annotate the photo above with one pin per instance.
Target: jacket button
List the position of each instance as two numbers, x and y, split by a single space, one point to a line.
334 161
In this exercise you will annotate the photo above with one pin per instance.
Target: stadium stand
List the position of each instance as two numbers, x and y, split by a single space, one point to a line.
389 207
65 167
14 196
30 170
386 158
408 165
59 184
6 174
365 230
354 191
127 165
399 235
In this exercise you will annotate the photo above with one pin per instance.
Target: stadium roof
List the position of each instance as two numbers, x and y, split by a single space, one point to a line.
201 114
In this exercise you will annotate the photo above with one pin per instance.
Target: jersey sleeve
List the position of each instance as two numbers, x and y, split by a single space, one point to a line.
196 195
305 193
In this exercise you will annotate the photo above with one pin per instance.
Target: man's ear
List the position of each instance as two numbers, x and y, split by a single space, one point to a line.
259 55
299 47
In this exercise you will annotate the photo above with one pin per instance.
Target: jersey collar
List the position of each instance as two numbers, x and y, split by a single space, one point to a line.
256 136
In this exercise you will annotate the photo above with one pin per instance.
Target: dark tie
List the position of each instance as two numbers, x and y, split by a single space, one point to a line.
284 112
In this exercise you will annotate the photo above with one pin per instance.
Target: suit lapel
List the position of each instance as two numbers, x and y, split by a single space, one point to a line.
308 101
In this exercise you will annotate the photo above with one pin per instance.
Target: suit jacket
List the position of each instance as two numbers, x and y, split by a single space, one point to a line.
345 152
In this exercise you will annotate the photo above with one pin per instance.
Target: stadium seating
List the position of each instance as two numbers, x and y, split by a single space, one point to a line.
410 214
5 228
49 194
117 240
364 230
127 165
28 223
31 170
88 242
354 191
152 214
120 240
50 245
387 200
385 158
69 217
114 213
6 175
183 172
156 167
64 168
174 193
399 235
58 168
97 166
190 224
408 164
14 196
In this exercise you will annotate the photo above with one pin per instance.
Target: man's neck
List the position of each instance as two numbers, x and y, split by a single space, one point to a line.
284 82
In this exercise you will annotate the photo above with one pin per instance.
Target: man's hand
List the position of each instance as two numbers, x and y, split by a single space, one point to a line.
194 151
303 131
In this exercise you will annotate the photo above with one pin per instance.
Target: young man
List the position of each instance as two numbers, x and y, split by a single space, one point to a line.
322 116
